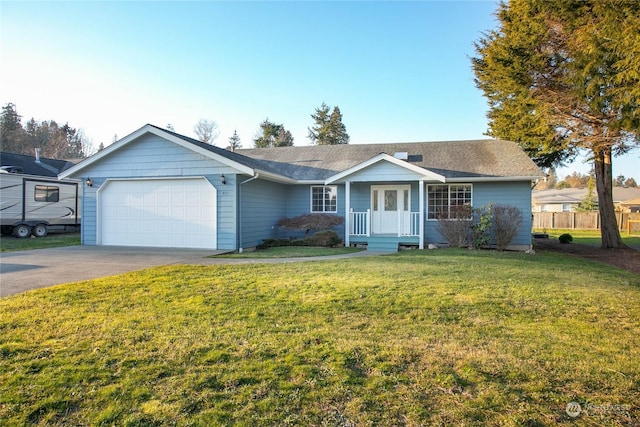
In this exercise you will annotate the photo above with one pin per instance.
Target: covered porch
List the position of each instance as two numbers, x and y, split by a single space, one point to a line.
385 203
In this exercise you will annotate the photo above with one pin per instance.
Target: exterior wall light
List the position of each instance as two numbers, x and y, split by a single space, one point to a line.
223 179
89 182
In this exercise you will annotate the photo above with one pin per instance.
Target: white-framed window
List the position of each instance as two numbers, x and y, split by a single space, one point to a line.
324 198
566 207
443 198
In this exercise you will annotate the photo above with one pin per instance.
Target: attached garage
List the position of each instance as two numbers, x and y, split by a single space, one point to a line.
169 212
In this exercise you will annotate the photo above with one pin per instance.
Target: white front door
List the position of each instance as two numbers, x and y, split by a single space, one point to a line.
389 203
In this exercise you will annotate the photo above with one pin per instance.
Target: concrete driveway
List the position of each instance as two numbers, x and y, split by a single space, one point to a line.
26 270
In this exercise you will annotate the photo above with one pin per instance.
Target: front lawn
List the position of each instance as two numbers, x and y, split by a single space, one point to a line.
52 240
444 337
291 252
592 237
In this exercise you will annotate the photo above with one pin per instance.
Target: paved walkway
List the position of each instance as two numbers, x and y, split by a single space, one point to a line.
26 270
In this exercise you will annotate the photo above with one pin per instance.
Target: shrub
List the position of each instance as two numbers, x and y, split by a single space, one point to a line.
458 227
311 221
480 229
507 220
565 238
466 227
326 238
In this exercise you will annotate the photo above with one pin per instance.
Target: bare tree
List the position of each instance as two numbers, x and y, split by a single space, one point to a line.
206 131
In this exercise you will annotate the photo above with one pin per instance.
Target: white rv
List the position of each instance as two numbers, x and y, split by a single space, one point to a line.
32 205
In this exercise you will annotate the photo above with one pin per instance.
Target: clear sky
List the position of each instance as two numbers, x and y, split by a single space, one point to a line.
399 71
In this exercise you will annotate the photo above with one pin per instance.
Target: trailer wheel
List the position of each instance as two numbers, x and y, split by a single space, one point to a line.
21 231
39 230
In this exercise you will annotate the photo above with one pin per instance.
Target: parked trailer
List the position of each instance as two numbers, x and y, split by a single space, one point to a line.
32 205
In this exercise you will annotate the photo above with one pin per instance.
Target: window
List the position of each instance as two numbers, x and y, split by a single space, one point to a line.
441 198
324 198
46 193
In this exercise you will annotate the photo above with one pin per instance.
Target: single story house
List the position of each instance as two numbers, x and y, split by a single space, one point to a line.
568 199
32 165
158 188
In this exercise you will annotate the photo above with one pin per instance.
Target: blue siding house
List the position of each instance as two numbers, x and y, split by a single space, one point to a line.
161 189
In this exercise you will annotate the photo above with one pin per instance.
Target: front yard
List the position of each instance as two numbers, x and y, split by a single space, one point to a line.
446 337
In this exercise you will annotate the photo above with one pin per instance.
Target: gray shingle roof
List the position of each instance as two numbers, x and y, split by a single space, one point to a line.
29 166
488 158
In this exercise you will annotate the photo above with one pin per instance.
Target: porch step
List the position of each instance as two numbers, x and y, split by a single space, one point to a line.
382 246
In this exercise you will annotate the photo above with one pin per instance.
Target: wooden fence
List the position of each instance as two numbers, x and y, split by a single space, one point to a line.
582 220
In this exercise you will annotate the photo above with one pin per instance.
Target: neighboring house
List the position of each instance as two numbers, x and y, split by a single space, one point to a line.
32 165
568 199
158 188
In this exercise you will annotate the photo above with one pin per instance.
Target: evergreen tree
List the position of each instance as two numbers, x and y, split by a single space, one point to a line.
272 135
328 128
12 136
559 77
234 141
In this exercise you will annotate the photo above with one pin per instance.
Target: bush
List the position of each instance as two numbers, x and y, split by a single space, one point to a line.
466 227
507 220
458 228
565 238
326 238
311 221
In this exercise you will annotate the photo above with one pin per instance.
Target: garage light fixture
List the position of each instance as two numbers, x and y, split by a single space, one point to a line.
89 182
223 179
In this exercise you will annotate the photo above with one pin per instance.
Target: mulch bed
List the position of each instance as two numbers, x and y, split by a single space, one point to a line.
628 259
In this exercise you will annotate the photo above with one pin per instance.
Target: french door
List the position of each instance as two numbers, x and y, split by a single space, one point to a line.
389 204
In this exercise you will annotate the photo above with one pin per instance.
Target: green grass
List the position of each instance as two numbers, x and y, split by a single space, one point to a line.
11 243
446 337
592 237
291 252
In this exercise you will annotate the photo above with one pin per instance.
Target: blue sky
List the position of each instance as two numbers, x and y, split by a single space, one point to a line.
399 71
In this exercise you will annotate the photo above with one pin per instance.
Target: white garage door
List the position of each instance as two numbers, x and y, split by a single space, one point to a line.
178 213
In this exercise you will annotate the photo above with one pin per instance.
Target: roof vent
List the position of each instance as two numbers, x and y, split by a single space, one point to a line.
401 155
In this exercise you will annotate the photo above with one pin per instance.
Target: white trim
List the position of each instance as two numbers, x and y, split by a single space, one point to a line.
492 179
425 173
333 187
162 134
347 210
106 183
421 194
449 184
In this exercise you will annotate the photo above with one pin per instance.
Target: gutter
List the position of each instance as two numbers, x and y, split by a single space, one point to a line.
256 176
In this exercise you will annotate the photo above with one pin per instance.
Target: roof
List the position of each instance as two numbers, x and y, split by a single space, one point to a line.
454 160
28 165
475 159
576 195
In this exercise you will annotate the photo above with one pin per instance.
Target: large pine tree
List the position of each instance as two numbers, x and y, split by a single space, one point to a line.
563 75
328 128
272 135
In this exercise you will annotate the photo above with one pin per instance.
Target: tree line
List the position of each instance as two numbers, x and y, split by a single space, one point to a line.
327 129
580 180
53 139
65 142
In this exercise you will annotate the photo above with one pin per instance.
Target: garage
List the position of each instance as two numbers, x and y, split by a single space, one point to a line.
172 212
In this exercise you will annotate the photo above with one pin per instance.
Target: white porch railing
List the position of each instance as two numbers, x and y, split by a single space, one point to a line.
409 224
359 224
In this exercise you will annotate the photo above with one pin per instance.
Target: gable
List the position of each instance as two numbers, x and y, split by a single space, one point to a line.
154 152
384 168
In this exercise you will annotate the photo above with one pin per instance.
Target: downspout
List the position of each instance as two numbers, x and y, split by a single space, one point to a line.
257 175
